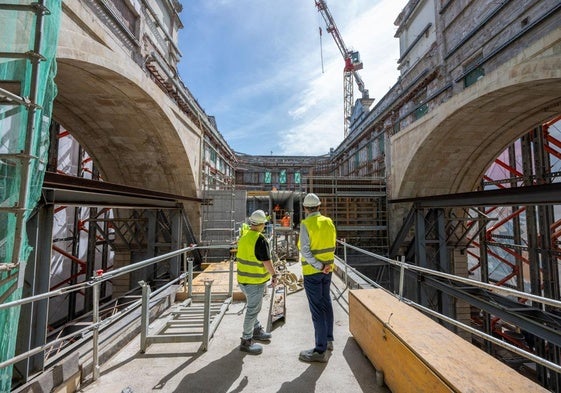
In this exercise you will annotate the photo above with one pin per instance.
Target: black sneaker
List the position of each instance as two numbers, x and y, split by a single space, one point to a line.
250 347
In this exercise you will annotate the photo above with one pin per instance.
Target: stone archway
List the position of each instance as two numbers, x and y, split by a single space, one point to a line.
128 134
448 151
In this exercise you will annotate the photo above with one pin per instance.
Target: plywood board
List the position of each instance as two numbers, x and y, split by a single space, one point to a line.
417 354
218 272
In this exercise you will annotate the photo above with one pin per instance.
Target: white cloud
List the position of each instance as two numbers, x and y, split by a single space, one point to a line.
319 106
262 74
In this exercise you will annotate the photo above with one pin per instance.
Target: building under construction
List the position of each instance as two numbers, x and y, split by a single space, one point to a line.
445 191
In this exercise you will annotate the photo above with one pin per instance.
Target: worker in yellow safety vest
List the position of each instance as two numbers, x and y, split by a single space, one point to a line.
244 228
317 253
255 268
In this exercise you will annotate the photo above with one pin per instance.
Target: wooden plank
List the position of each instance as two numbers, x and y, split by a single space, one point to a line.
417 354
218 272
403 370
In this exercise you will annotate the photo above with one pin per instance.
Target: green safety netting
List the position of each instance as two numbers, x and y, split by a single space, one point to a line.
24 137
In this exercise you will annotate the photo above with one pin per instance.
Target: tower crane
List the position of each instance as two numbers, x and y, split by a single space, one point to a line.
352 64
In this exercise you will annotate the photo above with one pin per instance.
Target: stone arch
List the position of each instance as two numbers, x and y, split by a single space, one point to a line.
125 130
134 131
449 151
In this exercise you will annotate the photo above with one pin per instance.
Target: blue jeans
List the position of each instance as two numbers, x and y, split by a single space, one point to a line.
254 298
319 299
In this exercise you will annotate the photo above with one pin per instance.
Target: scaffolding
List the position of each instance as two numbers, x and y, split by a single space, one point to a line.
507 234
223 207
357 206
29 32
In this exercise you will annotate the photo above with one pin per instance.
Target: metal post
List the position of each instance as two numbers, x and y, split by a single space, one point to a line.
346 263
190 275
231 279
145 315
401 277
95 339
185 258
206 318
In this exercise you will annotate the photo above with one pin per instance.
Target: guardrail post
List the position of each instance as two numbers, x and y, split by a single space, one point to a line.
401 276
95 337
346 264
144 316
185 272
190 275
231 279
206 318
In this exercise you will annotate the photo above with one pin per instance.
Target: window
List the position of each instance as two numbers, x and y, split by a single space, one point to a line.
282 177
420 105
473 70
474 76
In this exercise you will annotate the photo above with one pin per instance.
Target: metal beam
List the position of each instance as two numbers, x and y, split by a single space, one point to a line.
543 194
75 191
538 323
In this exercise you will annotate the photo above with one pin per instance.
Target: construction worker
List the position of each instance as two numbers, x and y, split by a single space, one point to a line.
317 253
254 271
268 225
244 228
285 220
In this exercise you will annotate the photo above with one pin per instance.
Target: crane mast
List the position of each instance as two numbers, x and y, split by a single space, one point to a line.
352 64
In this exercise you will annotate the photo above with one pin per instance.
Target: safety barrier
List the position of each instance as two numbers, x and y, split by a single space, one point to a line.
93 330
185 321
355 279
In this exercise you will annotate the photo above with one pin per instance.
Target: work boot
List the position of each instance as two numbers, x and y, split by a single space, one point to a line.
312 356
330 345
247 345
261 335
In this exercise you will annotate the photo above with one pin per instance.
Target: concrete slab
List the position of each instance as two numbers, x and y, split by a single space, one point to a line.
224 368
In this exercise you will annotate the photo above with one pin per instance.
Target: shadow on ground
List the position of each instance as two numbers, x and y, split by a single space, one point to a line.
217 377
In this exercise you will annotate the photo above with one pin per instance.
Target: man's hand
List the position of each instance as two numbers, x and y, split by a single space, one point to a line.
326 269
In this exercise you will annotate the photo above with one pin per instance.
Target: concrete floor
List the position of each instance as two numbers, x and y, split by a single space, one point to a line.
224 368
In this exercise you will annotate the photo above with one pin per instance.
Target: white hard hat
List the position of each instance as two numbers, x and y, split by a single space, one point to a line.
311 200
257 217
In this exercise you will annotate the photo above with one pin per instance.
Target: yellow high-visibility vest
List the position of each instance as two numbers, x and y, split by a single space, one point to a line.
244 229
250 269
323 235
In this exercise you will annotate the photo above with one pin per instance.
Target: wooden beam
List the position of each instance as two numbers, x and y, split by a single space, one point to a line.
416 354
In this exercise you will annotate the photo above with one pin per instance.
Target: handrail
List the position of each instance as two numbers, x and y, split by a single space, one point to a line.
95 282
491 287
402 265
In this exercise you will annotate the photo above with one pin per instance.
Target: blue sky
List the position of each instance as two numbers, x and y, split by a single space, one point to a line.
256 66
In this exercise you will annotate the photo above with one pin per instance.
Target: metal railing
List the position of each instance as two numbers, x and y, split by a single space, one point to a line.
98 324
350 275
349 271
